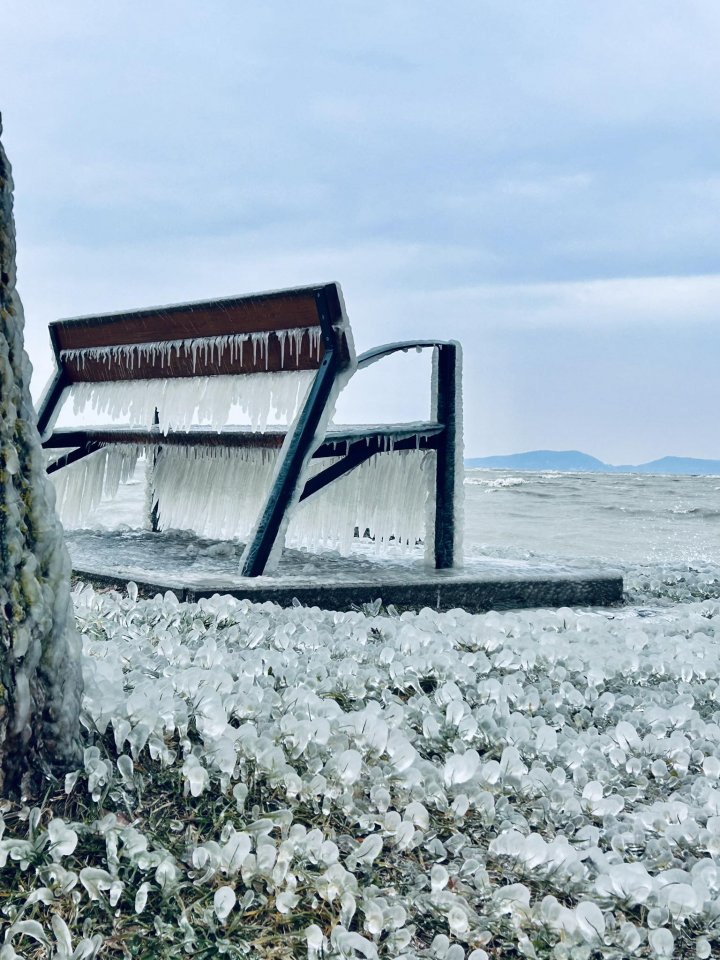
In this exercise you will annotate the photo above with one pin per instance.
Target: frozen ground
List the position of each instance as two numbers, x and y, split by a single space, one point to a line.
267 782
346 785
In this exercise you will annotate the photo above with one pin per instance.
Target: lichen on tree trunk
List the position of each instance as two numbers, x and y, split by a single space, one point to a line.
40 675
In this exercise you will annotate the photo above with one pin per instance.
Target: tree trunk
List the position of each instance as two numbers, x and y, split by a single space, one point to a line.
40 675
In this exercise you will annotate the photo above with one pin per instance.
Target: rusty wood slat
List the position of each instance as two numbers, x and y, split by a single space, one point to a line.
181 364
213 318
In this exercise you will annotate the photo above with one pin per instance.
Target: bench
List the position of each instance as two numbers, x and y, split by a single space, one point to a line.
247 342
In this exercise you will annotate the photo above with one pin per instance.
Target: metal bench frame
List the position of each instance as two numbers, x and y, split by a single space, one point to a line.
299 442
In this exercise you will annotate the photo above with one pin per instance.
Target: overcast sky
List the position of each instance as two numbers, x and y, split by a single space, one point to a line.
539 179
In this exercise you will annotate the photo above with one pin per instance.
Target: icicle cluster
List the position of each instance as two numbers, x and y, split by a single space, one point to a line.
386 496
218 492
212 490
81 486
206 349
258 399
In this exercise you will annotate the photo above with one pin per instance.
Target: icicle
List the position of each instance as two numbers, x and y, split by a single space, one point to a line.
82 485
212 490
395 521
256 399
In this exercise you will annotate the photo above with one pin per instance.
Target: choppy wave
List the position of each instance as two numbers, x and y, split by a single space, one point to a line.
497 483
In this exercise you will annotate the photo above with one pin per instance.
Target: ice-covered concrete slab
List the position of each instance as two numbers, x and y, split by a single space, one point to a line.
193 568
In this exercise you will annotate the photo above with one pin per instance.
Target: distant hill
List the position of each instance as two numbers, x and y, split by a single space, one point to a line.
573 461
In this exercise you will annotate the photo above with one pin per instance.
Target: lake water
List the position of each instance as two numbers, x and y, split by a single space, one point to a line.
624 519
662 532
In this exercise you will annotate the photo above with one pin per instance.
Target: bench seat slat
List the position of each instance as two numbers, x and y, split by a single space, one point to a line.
400 436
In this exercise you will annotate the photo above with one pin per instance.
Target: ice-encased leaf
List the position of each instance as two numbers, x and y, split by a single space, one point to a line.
40 895
590 920
70 781
511 895
126 767
28 928
286 901
439 877
314 938
461 767
681 899
662 942
234 851
627 881
96 881
352 943
457 919
510 843
374 918
166 874
703 949
63 940
627 736
368 850
401 752
63 839
223 902
141 897
196 776
349 764
511 764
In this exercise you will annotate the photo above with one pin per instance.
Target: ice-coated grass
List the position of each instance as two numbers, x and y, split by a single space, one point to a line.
270 782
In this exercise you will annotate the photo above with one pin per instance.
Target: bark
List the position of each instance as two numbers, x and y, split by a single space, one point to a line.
40 674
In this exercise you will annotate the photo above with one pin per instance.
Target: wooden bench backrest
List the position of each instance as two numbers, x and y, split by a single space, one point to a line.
280 331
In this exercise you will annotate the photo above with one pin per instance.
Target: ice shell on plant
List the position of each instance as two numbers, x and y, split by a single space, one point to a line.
590 920
461 767
224 900
63 839
662 942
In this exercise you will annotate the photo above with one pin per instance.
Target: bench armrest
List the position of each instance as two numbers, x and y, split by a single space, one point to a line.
377 353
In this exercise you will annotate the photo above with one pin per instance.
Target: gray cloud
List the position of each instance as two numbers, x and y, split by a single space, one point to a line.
532 173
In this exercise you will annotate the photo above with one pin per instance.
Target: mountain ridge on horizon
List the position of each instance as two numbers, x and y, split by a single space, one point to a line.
574 461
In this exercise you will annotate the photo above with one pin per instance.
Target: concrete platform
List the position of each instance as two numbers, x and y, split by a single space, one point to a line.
193 568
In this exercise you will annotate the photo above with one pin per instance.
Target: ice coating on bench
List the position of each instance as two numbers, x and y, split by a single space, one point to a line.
217 493
257 399
81 487
209 349
385 495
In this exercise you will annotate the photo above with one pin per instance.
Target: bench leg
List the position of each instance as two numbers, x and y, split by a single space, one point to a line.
297 449
446 401
152 506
